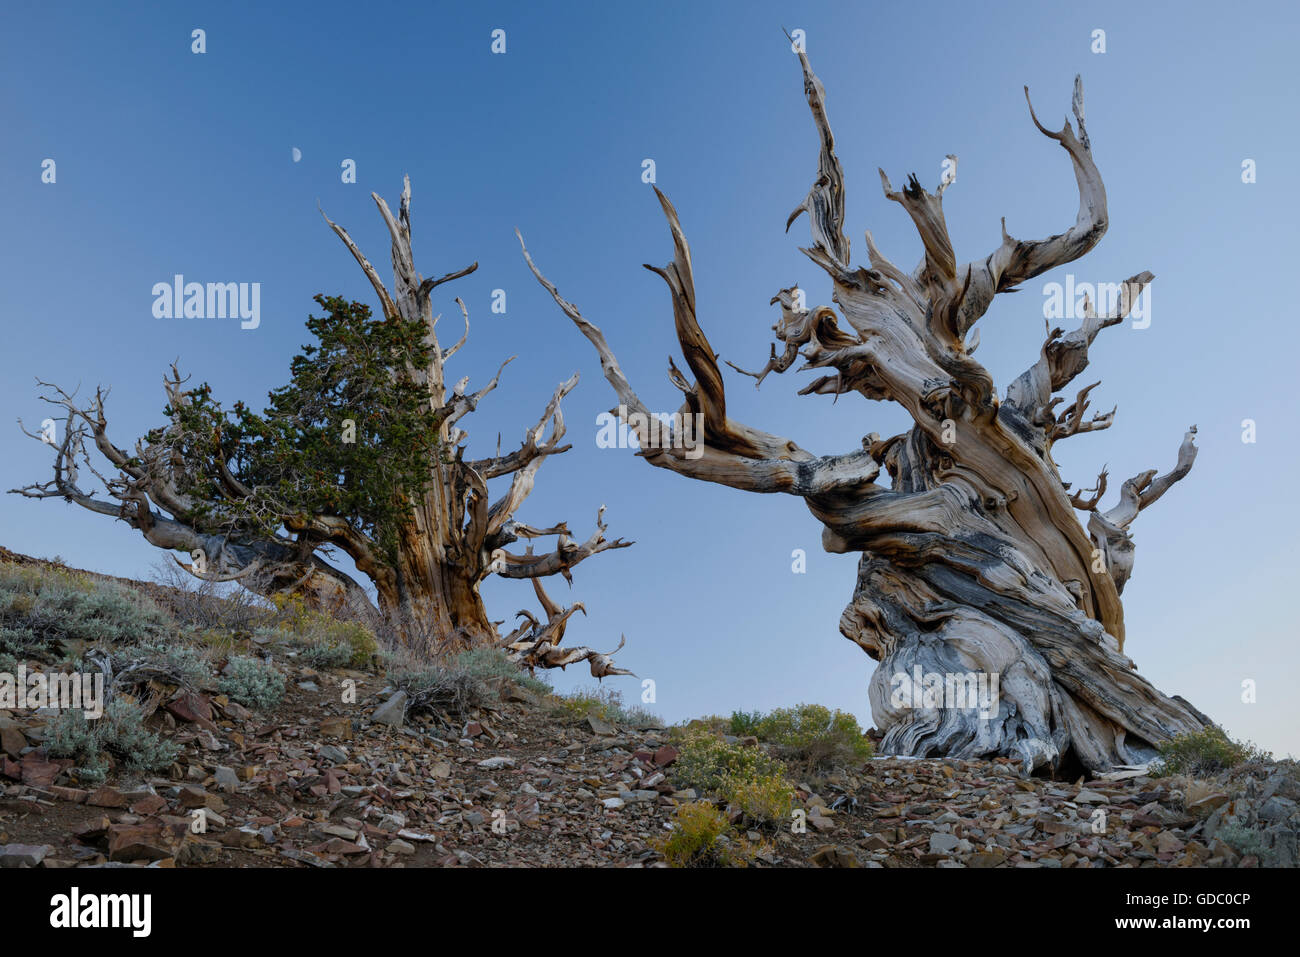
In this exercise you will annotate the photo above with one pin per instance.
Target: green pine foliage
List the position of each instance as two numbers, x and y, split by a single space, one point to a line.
345 437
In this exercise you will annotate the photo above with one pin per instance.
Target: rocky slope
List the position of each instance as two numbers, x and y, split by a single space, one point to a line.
320 783
336 775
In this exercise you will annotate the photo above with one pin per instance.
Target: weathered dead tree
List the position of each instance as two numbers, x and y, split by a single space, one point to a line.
535 645
216 486
973 561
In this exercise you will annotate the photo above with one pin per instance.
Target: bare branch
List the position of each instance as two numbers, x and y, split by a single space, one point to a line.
824 203
539 646
385 300
1109 529
428 285
532 448
1064 356
1071 421
567 554
732 454
1016 261
448 353
1089 503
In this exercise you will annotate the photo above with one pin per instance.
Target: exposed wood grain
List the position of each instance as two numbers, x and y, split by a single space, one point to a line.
973 560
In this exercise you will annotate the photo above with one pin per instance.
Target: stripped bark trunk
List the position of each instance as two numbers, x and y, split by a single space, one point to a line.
973 561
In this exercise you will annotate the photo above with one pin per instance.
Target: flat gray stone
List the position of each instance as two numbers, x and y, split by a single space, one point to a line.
23 855
392 712
943 843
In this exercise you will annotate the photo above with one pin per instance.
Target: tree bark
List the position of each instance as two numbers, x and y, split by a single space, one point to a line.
973 562
455 535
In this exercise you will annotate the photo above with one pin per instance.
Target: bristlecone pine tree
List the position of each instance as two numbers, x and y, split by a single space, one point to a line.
973 560
362 452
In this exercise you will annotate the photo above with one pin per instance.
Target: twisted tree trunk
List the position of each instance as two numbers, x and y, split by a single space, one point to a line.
451 536
973 563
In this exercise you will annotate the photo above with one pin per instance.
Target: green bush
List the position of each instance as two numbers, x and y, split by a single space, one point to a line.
120 731
606 704
1203 752
326 642
1250 841
492 663
767 800
41 606
745 723
327 655
252 683
19 644
172 662
434 687
1242 839
707 762
814 736
701 837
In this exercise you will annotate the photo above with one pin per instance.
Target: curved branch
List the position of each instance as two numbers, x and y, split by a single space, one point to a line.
539 647
1065 355
385 300
448 353
1016 261
824 203
532 449
733 454
1109 529
567 554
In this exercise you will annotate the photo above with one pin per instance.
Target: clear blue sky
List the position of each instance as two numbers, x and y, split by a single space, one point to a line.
170 162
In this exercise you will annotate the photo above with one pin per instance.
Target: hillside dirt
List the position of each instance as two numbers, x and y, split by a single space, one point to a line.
320 782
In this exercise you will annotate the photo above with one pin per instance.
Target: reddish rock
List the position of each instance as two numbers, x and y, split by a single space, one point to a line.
336 726
336 845
665 756
236 711
830 855
192 797
149 805
240 838
150 840
92 831
38 772
12 741
195 708
107 797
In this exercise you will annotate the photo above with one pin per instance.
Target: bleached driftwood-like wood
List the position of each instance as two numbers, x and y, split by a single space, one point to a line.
973 559
456 536
536 645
